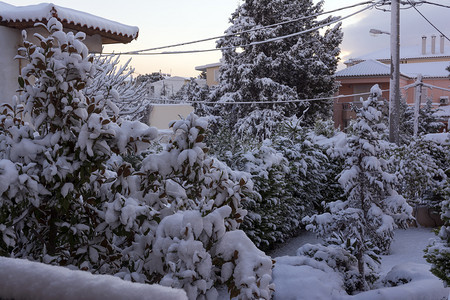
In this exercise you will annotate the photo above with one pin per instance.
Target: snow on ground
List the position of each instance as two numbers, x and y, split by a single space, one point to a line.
291 246
408 246
23 279
298 278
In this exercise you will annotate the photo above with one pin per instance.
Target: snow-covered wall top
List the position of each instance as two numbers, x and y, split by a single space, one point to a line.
43 11
22 279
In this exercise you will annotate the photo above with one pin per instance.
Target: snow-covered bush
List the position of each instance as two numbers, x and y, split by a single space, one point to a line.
365 221
68 195
292 177
337 258
201 199
309 167
272 212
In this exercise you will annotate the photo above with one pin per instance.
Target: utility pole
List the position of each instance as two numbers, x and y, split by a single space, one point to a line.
394 89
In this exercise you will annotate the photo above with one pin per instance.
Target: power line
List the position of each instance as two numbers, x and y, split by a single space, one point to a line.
428 21
246 31
437 4
275 102
250 44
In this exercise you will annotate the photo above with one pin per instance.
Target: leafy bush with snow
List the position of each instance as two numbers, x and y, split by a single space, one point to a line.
183 178
69 197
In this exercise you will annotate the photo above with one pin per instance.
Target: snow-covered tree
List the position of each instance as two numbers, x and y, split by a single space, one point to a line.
420 171
117 85
291 175
438 252
427 121
364 223
292 68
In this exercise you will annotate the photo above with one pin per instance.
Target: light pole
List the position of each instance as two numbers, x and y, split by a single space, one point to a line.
394 86
394 83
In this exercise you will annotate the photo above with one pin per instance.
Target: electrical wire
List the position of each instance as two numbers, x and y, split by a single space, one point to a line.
429 21
250 30
274 102
437 4
250 44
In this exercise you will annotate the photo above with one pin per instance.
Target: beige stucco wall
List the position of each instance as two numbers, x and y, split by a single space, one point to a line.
11 40
161 114
210 77
9 67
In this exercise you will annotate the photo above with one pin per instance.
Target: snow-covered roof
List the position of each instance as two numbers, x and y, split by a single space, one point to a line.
204 67
375 68
22 17
406 52
435 69
365 68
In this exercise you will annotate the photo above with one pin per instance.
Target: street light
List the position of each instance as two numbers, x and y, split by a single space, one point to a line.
378 31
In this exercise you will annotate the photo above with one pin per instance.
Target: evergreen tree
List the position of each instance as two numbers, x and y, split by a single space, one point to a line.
420 167
438 252
364 223
293 68
428 123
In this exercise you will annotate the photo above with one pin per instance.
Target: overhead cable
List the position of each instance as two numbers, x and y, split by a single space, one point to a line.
252 43
246 31
429 21
273 102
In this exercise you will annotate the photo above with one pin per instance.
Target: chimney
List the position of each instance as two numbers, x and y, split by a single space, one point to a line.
424 44
433 44
442 44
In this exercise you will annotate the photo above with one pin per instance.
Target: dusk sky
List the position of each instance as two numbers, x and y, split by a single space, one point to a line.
172 21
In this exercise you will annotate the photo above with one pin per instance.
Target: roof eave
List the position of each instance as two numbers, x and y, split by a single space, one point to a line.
108 37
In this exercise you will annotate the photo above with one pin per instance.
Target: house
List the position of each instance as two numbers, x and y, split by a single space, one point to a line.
212 73
167 87
363 72
14 19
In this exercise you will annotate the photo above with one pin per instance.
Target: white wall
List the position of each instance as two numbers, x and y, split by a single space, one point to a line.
161 114
10 39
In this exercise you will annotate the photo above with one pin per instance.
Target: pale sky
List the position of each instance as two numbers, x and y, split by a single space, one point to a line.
164 22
